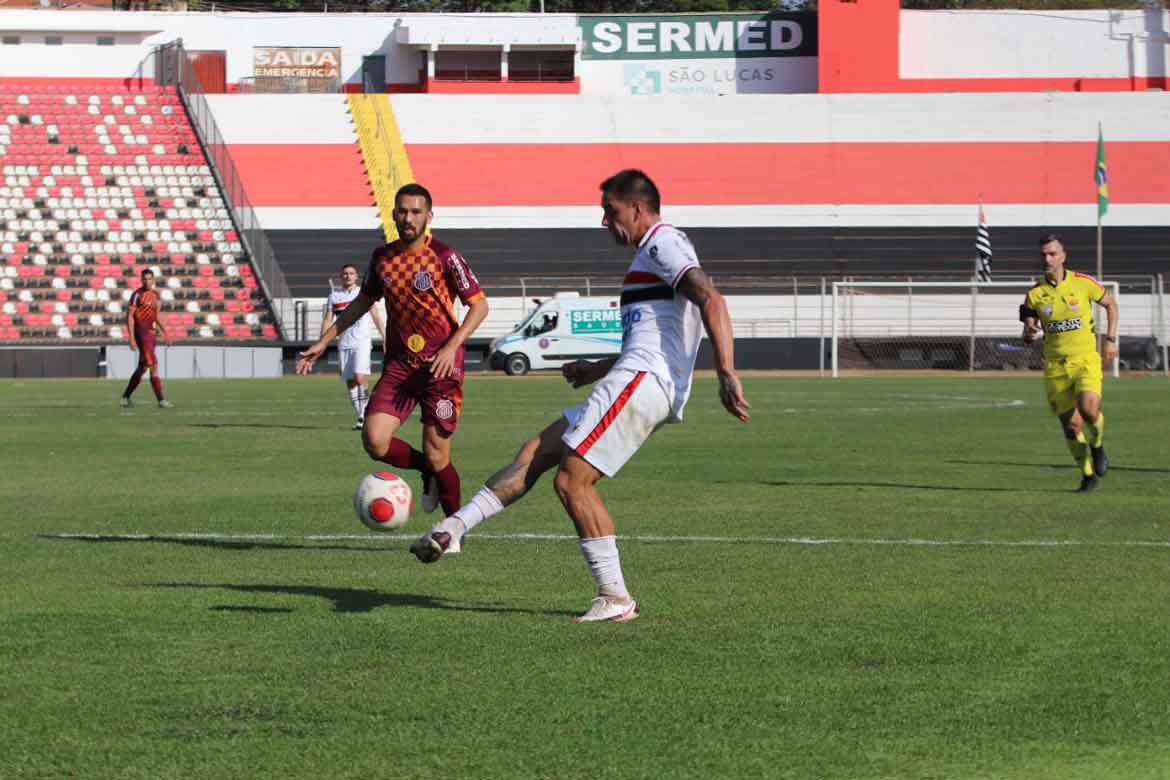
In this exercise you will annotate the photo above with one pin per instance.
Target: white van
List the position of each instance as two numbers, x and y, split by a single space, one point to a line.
562 329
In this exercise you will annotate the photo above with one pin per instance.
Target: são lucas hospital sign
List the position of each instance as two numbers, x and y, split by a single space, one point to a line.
706 54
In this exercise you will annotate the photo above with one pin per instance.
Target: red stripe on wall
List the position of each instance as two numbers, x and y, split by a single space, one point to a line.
1079 84
303 174
794 173
725 174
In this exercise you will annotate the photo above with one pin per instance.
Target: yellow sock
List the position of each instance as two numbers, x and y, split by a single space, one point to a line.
1080 452
1096 430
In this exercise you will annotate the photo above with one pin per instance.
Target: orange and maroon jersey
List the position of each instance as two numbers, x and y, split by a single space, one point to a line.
144 309
419 288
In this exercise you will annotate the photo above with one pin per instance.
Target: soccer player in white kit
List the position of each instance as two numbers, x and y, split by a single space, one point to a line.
666 302
353 348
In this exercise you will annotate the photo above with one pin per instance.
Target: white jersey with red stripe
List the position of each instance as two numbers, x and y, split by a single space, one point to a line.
360 334
661 329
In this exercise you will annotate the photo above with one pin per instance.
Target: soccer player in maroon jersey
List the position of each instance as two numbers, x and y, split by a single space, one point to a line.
141 323
419 278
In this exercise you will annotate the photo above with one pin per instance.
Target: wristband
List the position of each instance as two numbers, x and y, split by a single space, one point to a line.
1111 339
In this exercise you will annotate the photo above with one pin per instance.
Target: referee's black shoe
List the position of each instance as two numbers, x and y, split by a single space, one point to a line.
1088 483
1100 461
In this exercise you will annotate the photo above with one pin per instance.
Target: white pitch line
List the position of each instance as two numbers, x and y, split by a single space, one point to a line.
931 405
776 540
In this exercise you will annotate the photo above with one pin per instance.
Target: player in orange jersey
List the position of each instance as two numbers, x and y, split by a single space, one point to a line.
420 279
142 322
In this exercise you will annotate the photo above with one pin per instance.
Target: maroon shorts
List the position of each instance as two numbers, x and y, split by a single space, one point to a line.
146 343
403 386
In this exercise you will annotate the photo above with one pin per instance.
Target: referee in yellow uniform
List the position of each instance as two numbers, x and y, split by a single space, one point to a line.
1060 310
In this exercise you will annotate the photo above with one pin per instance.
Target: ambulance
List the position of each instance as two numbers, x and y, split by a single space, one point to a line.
560 330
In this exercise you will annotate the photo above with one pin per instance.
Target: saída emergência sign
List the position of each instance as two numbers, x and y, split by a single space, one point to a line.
290 61
698 36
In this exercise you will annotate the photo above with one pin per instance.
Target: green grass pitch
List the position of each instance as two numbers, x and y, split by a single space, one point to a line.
875 578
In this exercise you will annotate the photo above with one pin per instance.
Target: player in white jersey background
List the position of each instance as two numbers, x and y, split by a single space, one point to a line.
666 302
353 348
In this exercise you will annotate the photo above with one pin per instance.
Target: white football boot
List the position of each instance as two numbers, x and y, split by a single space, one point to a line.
604 608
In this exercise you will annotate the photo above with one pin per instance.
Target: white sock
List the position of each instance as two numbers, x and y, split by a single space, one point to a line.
605 565
482 505
354 402
363 400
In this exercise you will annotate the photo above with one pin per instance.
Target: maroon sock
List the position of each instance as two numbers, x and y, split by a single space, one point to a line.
132 385
404 456
448 479
156 386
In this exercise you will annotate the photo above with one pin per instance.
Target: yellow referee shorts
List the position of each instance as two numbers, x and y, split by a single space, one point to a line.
1066 378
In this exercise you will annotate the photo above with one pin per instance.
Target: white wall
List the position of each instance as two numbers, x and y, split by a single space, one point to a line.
357 35
1033 44
934 44
849 118
199 362
289 119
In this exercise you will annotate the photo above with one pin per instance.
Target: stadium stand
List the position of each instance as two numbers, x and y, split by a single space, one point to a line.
767 187
864 152
99 182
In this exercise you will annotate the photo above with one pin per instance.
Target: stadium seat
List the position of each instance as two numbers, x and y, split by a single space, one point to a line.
98 182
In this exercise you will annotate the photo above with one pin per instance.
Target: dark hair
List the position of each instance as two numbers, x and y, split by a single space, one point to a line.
414 188
1049 238
633 184
349 265
146 271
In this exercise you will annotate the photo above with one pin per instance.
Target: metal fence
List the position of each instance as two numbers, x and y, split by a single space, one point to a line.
172 68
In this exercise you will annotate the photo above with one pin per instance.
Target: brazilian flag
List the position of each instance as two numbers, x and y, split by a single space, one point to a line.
1101 176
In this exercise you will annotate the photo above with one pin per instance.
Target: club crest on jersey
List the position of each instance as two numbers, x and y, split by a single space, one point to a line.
654 252
422 281
444 409
1073 303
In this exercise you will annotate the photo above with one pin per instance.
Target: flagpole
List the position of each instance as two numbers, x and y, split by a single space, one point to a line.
1100 251
1101 178
975 289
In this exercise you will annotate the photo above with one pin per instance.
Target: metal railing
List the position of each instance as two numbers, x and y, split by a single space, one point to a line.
541 72
467 73
172 68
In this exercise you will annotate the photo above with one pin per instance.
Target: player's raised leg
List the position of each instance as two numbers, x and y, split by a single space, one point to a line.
508 485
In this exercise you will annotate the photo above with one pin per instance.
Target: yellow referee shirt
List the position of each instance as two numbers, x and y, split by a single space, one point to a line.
1066 314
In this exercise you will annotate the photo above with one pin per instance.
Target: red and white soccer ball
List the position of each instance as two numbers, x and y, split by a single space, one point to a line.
383 501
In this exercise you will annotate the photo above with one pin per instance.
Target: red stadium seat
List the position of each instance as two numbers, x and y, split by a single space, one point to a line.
104 274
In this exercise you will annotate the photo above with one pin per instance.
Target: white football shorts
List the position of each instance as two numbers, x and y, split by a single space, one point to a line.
354 361
617 418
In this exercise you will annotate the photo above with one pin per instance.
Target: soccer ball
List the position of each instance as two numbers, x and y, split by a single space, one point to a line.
383 501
